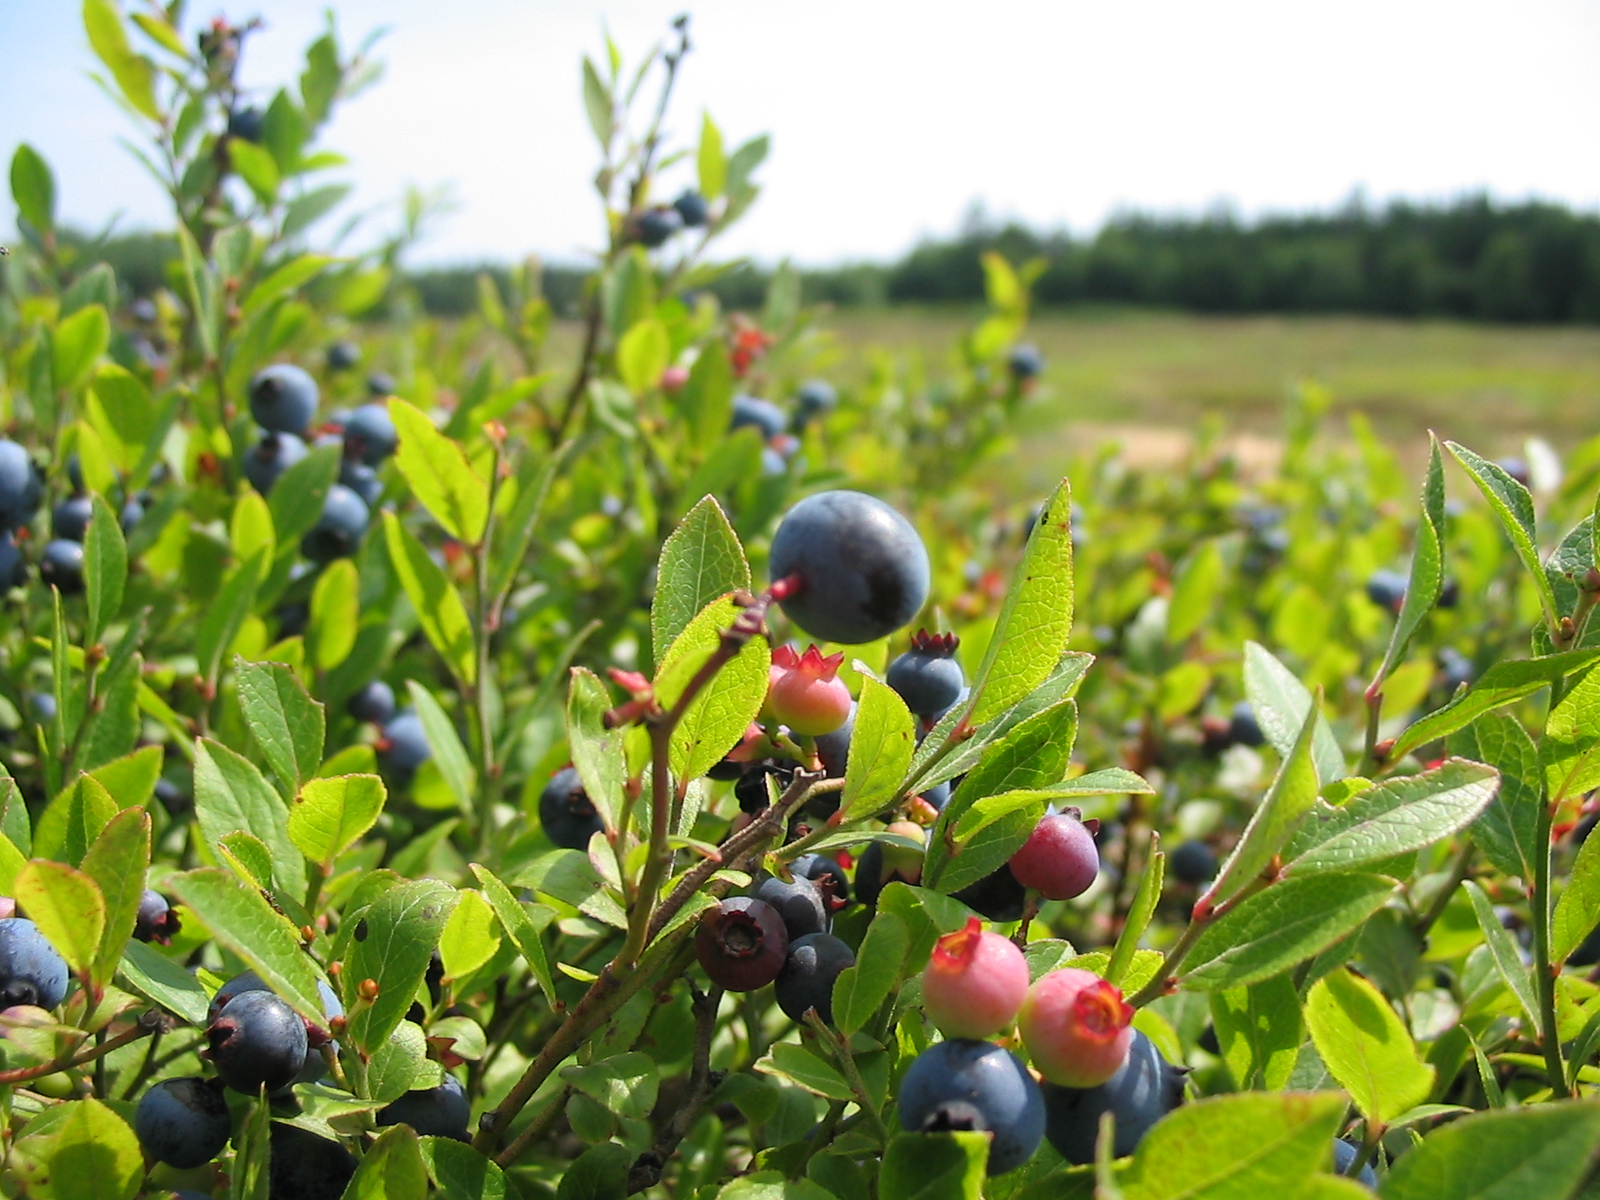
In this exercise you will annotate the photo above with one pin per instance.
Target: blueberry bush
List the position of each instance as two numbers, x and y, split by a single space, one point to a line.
432 773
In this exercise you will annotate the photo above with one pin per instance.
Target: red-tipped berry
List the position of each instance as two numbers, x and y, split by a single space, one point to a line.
975 982
1076 1026
804 691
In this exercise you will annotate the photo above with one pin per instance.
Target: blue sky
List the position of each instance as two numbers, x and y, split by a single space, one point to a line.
889 119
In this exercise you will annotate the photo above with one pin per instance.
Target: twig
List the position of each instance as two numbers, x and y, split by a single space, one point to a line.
648 1166
147 1024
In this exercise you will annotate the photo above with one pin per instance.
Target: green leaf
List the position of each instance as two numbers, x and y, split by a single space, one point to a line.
283 280
284 720
769 1185
700 562
599 1173
710 162
226 612
1366 1046
33 187
596 751
1544 1151
1194 592
1239 1147
1259 1031
642 354
105 570
248 856
1513 505
934 1166
1507 831
1427 563
401 1064
230 794
1287 802
1108 781
1570 747
297 498
470 937
255 165
332 814
1396 817
860 990
597 104
392 945
460 1172
1031 631
438 605
448 753
439 474
805 1069
1283 925
73 820
335 614
1281 702
241 919
391 1169
67 907
624 1084
707 399
155 976
1577 910
95 1155
117 862
1503 952
79 341
134 73
718 716
1139 912
881 745
120 409
519 927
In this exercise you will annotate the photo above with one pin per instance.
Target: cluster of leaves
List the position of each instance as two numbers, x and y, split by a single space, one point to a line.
1356 965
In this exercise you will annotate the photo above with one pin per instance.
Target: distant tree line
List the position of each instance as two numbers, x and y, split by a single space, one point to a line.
1472 259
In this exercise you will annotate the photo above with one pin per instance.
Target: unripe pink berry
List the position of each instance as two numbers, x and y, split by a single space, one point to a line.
1077 1028
805 693
1059 860
974 983
673 378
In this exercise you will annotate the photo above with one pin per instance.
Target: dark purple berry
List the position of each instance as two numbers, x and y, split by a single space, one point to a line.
441 1111
997 896
806 981
800 903
1145 1088
31 970
156 921
927 676
374 703
183 1122
1059 860
283 398
566 812
742 944
1192 862
961 1084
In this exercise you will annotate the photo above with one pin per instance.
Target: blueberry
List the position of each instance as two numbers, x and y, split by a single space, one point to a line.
13 566
257 1040
404 746
801 904
338 530
373 703
183 1122
156 922
833 749
271 457
342 355
655 225
31 971
566 812
362 480
761 414
808 975
441 1111
927 676
963 1084
1517 468
1024 362
21 488
61 565
283 398
303 1166
381 383
1387 589
773 464
742 944
369 434
1145 1088
997 896
1588 952
692 208
172 797
248 981
1456 668
750 789
144 310
247 124
132 513
1192 862
938 795
1344 1154
1449 593
70 519
827 874
854 570
44 707
1243 727
816 397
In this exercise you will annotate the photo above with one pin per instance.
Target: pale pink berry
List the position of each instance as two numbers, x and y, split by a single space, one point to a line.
974 983
804 691
1077 1028
1059 860
673 378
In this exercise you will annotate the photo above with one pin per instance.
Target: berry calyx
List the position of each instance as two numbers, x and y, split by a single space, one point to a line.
974 983
742 944
1077 1027
804 691
927 676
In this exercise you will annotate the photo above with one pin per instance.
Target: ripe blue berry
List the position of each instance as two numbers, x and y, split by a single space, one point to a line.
13 566
248 981
1145 1088
247 124
997 896
760 414
1024 362
369 434
381 383
816 398
692 208
21 488
1517 468
61 566
963 1084
257 1040
800 903
1455 668
1387 589
1243 728
183 1122
271 457
44 706
283 398
1192 862
132 513
156 922
31 971
742 944
172 797
303 1166
849 568
1344 1154
655 225
338 530
441 1111
806 981
827 874
927 676
362 480
69 520
566 812
373 703
342 355
404 746
833 749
